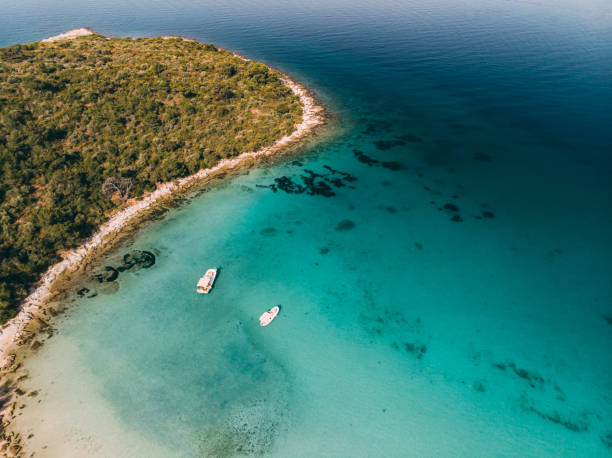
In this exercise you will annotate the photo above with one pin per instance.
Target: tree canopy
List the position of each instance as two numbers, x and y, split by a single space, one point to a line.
84 117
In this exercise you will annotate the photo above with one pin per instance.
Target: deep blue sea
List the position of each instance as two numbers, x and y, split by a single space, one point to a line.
452 298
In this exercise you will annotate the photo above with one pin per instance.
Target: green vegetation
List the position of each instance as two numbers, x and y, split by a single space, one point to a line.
88 123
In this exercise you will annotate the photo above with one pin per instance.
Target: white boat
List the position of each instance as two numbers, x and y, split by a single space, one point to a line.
266 318
206 282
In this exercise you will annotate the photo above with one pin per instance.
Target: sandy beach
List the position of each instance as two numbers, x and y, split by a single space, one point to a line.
14 331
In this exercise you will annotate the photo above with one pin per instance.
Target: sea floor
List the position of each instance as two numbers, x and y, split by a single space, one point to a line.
427 309
442 265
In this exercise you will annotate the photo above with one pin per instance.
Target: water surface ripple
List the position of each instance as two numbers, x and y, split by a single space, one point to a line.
451 298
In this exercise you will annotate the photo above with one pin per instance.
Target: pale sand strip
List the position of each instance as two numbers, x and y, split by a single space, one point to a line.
312 116
69 35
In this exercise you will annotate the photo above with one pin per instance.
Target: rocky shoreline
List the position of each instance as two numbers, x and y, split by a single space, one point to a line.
30 319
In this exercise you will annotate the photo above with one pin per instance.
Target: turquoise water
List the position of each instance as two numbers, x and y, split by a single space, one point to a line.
402 332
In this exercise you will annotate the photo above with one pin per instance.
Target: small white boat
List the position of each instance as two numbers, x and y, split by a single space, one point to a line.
206 282
266 318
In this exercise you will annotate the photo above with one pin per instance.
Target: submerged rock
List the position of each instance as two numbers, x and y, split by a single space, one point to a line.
345 225
268 231
392 165
134 260
345 175
364 159
138 259
530 376
312 183
107 275
577 426
316 187
337 182
415 349
287 185
388 144
606 439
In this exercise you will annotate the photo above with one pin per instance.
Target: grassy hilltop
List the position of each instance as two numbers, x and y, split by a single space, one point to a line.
86 124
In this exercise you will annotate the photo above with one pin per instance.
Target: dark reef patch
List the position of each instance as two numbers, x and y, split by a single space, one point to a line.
457 219
533 378
287 185
137 259
388 144
364 159
415 349
451 207
86 292
337 182
479 386
418 245
108 274
345 176
488 214
577 426
132 261
530 376
312 183
606 439
345 225
608 319
324 250
479 156
268 231
314 186
392 165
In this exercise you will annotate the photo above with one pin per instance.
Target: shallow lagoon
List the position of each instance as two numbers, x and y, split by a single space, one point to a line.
453 299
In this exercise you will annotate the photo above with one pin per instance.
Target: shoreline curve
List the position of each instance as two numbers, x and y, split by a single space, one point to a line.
13 332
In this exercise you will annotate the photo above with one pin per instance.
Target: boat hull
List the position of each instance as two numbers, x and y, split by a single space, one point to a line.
267 317
207 281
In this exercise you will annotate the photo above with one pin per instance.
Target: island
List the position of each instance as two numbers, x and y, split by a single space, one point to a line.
93 130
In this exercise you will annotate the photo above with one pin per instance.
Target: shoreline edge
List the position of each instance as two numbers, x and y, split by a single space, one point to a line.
13 331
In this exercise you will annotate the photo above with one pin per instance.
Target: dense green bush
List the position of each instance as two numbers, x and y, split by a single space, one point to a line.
75 113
